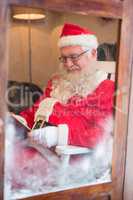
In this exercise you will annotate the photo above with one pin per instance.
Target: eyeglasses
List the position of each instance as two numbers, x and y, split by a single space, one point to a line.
73 58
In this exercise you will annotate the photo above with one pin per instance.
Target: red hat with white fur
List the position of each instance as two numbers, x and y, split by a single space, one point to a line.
72 35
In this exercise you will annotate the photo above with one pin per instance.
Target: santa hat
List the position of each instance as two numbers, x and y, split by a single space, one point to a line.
72 35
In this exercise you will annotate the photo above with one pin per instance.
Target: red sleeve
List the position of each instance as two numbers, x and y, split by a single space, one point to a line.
85 119
29 113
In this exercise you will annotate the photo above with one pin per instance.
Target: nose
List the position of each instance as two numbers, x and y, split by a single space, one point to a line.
68 63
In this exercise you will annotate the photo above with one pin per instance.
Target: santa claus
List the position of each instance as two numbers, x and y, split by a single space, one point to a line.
79 96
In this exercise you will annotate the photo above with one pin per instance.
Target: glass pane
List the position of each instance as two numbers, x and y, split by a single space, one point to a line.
73 147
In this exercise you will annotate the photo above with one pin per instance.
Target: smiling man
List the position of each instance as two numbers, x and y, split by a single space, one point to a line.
79 96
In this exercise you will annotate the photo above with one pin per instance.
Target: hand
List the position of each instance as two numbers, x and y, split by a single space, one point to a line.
47 136
45 108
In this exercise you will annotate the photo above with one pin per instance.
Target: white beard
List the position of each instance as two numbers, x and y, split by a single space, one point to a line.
79 83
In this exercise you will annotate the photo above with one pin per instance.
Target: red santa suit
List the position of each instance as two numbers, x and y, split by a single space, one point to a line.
84 111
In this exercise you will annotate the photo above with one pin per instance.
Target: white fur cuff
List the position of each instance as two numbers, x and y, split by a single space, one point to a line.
63 132
45 108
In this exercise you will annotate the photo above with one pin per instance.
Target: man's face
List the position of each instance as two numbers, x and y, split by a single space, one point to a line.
75 59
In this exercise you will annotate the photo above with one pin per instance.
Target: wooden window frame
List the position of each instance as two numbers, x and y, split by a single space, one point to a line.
116 9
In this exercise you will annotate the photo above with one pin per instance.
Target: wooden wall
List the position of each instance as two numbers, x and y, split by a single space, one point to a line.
3 75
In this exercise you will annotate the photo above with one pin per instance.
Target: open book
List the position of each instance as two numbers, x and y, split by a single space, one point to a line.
21 122
21 126
22 130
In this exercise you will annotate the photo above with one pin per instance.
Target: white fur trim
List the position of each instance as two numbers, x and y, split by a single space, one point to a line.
82 40
45 108
51 136
47 136
63 131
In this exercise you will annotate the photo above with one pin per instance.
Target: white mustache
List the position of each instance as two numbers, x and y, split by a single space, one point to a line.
73 67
